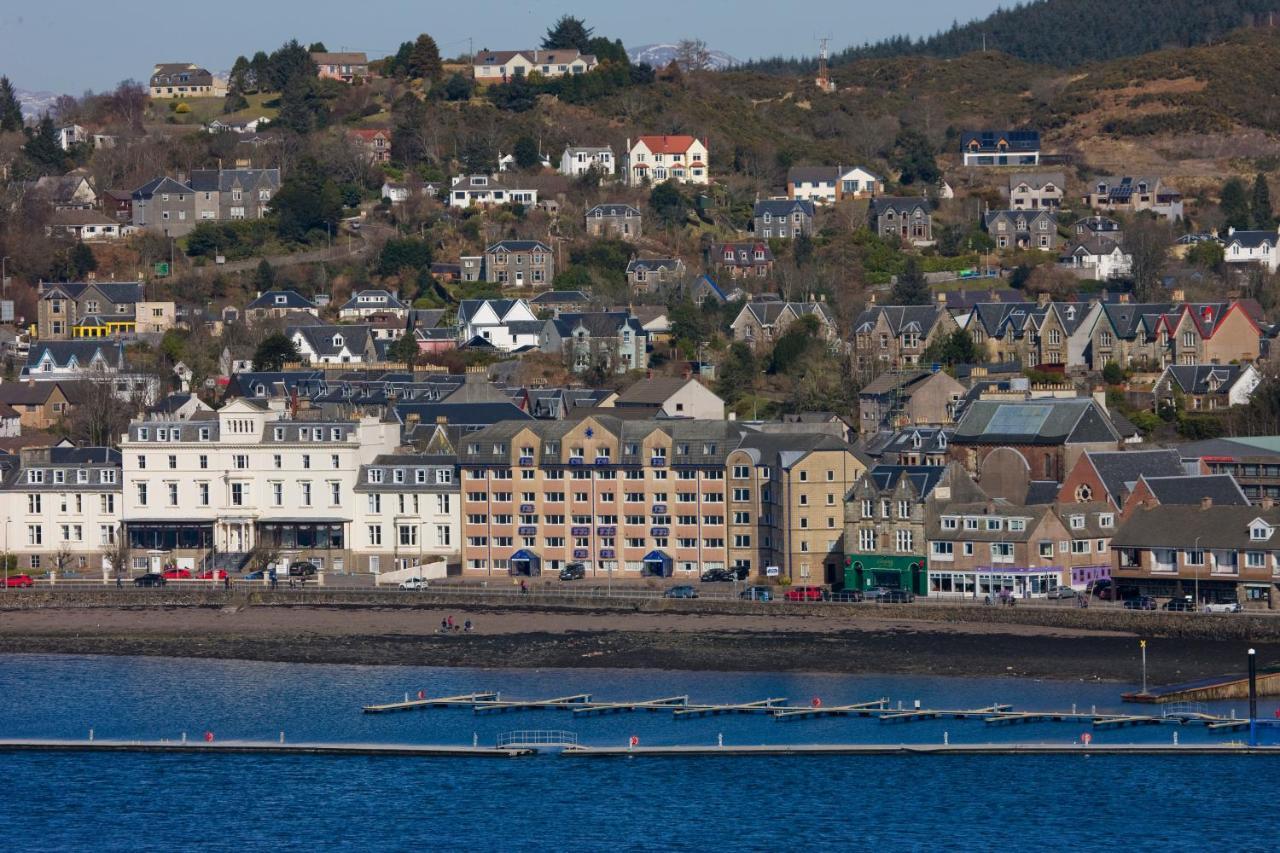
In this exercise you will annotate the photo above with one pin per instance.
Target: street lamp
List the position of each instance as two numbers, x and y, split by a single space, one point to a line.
1196 566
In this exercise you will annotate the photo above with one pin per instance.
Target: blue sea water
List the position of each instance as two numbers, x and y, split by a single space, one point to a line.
226 802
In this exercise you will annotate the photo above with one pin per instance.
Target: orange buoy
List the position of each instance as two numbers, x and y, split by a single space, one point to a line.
635 741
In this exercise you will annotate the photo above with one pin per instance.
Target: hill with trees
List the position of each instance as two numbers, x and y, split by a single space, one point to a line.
1068 33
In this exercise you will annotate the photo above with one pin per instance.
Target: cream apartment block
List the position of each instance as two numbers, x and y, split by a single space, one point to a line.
250 475
632 498
61 508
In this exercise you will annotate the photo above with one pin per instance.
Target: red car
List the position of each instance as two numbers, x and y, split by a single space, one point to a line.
19 581
176 574
211 574
805 593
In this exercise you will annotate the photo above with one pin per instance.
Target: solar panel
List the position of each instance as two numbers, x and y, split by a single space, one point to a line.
1018 420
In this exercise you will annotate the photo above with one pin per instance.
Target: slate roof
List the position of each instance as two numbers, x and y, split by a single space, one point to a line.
391 303
1050 422
921 477
767 313
932 440
1201 378
1038 180
988 140
225 180
882 204
1189 527
783 207
513 246
743 252
1040 492
891 381
599 324
1250 239
813 174
465 414
723 434
83 352
560 297
901 318
651 264
355 339
160 186
614 210
348 58
652 392
292 298
1119 471
1189 489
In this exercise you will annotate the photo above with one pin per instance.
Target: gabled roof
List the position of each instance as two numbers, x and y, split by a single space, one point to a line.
1205 378
1075 420
767 313
1251 239
560 297
160 186
1191 489
389 301
743 252
988 141
898 204
347 58
813 175
226 180
650 264
1038 180
1189 527
1119 471
599 324
668 144
355 339
652 392
614 210
915 318
80 353
292 300
784 207
518 246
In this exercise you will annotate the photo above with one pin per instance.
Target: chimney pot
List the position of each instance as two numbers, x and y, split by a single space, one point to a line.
1206 502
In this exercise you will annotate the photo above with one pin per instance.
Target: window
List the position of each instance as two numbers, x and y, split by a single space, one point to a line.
1046 550
241 461
1002 552
237 494
305 488
173 493
375 534
1255 559
142 494
1193 558
277 494
203 489
35 534
1259 533
408 535
1077 522
939 550
868 509
949 522
335 493
1106 519
1079 546
904 509
904 541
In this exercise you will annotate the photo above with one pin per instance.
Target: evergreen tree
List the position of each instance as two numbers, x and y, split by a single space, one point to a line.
424 59
307 200
10 109
42 147
478 158
298 105
264 277
405 349
526 153
955 348
317 47
241 77
1260 208
913 157
274 351
458 88
568 32
668 203
408 117
1235 205
737 372
911 289
260 71
81 260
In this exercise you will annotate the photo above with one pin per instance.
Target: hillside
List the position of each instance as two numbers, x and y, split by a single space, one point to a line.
1069 33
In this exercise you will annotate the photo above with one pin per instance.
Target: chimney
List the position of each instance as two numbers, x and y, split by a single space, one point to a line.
1124 299
1268 503
1206 502
1043 298
1178 295
412 419
1100 396
942 297
442 420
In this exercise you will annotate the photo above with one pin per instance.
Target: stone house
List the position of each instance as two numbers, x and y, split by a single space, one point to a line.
760 324
613 342
614 220
895 336
782 218
1206 387
347 67
909 219
519 263
41 405
654 275
374 142
1127 194
894 400
1022 229
743 259
94 309
277 304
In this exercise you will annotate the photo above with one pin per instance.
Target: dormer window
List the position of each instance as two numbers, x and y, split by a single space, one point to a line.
337 340
1259 531
1106 519
1077 522
281 299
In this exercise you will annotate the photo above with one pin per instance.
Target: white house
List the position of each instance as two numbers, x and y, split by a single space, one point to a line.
578 161
499 66
507 162
367 302
87 225
505 324
70 135
654 159
407 513
829 184
1252 247
1099 258
332 344
485 190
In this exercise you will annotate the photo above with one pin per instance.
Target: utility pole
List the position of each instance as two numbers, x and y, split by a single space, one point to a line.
1143 644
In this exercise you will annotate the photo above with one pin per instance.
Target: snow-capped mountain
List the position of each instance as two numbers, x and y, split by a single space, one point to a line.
35 104
660 55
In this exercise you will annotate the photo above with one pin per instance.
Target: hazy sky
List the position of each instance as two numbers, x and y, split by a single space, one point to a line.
68 46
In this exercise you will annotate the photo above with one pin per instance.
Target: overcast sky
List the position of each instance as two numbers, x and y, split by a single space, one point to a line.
68 46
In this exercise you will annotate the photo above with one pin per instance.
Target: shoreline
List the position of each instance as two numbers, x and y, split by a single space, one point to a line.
533 638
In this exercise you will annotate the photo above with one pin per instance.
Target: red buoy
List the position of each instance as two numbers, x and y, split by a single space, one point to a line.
816 702
635 741
208 737
1086 738
422 695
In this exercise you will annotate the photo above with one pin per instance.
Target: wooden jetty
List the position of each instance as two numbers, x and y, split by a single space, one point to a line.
410 750
599 708
859 709
931 714
464 700
762 706
501 706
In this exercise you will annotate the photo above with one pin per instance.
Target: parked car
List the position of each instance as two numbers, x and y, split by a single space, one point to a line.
413 583
757 593
740 572
1060 592
573 572
896 596
682 591
848 595
19 581
806 593
718 576
212 574
177 574
255 576
1223 607
1142 602
302 570
1183 605
149 579
1104 590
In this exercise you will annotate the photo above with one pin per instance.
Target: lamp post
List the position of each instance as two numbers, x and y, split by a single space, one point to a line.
1196 566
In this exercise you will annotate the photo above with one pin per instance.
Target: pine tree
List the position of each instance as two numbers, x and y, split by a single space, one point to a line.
568 32
1260 208
1234 203
42 146
424 60
911 289
10 109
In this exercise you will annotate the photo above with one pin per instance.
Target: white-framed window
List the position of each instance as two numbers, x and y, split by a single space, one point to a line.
1002 552
905 540
940 550
866 539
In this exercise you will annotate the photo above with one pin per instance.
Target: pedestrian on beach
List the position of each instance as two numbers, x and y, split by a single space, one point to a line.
226 581
466 626
451 622
444 624
119 581
524 588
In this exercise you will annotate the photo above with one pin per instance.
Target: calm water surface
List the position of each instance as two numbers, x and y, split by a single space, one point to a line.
170 802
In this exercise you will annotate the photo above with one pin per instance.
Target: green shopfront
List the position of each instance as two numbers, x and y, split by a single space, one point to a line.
889 571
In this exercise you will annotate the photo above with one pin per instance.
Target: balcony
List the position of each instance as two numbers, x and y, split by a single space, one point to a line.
659 509
606 531
581 553
526 461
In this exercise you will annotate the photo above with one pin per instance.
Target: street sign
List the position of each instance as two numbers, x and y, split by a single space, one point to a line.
772 571
162 268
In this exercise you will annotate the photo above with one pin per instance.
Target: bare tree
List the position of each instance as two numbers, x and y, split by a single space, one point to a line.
100 415
1147 240
693 55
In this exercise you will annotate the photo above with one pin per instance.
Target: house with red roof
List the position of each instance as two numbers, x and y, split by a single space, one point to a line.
375 142
654 159
743 258
1209 333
